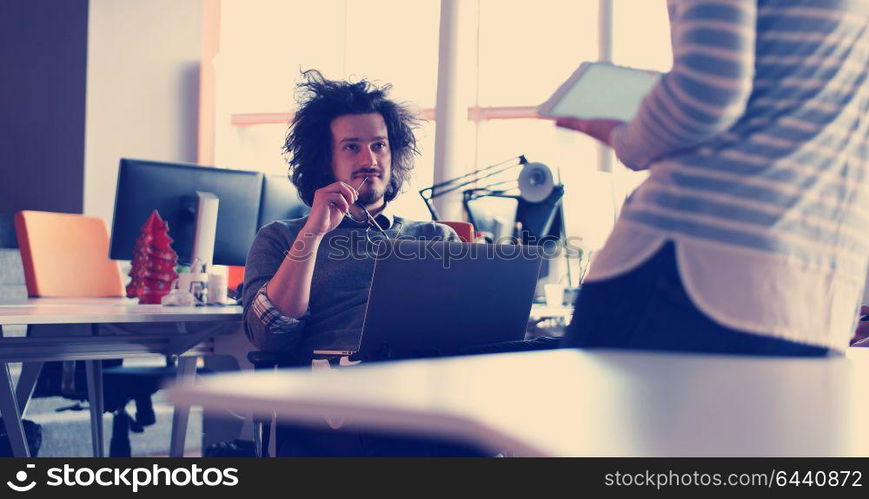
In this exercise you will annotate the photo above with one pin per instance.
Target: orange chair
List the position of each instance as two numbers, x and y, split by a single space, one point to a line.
66 256
235 276
465 230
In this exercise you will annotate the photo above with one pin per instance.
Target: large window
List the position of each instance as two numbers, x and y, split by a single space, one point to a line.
519 53
641 39
526 50
265 44
641 34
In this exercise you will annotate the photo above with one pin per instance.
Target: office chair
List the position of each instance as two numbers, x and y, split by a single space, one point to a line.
465 230
234 279
66 255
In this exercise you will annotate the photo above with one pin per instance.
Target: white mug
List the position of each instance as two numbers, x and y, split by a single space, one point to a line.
216 288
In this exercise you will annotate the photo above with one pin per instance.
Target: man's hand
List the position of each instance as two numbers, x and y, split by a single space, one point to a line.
598 128
861 335
330 205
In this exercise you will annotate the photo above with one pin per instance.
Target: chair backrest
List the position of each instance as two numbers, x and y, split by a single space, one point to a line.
465 230
235 276
66 255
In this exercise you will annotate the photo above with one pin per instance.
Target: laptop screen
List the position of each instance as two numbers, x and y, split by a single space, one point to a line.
434 298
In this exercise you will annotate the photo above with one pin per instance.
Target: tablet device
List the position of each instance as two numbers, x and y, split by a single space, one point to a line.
600 90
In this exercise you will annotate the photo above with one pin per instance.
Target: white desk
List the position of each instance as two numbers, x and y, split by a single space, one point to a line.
579 403
70 330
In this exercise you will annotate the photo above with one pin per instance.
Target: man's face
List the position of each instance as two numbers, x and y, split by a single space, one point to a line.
360 149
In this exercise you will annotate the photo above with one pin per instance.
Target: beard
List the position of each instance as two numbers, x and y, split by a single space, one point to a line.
371 195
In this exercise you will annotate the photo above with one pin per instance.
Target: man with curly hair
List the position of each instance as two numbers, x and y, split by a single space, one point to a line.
350 150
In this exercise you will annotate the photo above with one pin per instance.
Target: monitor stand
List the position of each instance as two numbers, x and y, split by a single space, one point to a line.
206 229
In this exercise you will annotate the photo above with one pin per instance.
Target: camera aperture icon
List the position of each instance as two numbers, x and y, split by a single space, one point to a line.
20 477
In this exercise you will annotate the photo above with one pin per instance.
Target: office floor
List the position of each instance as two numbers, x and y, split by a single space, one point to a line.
67 433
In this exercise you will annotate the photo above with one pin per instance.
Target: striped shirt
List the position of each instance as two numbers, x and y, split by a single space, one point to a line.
756 145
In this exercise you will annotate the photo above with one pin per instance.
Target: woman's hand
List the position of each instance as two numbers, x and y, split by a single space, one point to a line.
330 205
598 128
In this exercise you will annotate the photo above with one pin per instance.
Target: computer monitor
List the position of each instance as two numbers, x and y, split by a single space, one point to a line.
500 214
494 215
542 221
280 201
171 189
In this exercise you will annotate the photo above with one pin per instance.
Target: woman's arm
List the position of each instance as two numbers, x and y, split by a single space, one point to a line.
703 95
707 89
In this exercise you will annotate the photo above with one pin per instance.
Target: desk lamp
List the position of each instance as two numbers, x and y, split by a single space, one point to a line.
534 183
539 197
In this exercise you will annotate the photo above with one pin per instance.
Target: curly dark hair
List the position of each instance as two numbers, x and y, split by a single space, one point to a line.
308 145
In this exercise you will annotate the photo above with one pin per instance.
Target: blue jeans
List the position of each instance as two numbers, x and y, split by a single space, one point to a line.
648 309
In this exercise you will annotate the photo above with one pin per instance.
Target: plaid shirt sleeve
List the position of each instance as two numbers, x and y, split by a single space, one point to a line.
273 320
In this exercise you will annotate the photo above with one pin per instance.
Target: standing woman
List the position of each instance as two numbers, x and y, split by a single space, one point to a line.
751 233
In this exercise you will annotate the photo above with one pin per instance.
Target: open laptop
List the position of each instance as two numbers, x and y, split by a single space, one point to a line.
438 298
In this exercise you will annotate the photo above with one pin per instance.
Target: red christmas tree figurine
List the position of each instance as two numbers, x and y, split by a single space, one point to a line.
154 260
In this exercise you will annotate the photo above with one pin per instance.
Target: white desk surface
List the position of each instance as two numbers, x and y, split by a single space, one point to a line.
66 323
106 310
124 310
580 403
63 320
65 334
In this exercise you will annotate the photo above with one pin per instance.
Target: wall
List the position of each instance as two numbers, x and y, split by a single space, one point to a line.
43 56
143 83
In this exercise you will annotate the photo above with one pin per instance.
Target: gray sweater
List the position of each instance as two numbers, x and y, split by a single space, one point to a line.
339 288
